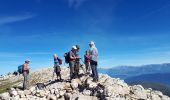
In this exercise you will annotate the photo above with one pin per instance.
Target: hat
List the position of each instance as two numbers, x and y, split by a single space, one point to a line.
55 54
27 60
74 47
91 42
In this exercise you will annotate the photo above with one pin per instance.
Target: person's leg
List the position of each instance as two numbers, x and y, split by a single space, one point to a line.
71 64
92 68
96 73
89 69
60 76
86 65
77 65
25 80
93 71
28 77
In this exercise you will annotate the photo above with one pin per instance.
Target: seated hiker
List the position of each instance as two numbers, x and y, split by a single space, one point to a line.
87 61
26 73
57 63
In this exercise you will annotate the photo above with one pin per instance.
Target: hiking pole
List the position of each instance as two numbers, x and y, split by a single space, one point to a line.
82 66
53 75
82 61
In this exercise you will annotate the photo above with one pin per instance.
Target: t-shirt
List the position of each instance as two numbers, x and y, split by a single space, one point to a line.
56 61
26 67
87 58
94 54
72 54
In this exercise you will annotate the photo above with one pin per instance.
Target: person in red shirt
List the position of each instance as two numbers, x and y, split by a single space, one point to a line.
26 74
87 61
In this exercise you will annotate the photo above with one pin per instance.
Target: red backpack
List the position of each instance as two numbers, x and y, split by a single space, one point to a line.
60 61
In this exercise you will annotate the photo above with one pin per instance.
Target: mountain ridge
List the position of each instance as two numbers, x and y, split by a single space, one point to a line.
81 88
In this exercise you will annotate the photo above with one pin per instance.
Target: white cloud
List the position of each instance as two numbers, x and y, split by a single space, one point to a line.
11 19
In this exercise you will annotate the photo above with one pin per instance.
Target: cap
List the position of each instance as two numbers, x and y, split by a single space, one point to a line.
91 42
55 54
27 60
74 47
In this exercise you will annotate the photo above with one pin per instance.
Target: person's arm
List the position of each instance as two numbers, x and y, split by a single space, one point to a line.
25 67
84 58
94 53
71 56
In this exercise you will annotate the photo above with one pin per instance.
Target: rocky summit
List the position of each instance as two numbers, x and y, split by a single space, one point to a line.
43 86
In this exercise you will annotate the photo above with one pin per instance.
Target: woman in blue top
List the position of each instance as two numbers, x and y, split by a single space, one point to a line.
57 63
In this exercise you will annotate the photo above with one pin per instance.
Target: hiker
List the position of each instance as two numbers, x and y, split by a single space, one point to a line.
57 63
26 74
87 61
77 62
72 59
94 60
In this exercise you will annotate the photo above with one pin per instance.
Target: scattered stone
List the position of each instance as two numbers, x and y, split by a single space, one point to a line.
82 88
4 96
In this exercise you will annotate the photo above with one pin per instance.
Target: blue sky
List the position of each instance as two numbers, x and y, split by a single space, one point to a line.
126 32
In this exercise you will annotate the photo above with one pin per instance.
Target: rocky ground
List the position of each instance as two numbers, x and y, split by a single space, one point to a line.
82 88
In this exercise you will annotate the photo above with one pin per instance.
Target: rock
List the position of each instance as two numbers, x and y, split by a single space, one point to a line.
67 96
4 96
92 85
51 97
83 78
32 89
87 92
62 92
74 83
13 92
52 91
15 98
155 97
42 93
108 91
82 97
21 94
27 92
138 92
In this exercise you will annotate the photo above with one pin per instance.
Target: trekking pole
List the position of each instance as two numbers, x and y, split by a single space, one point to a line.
82 61
53 75
82 66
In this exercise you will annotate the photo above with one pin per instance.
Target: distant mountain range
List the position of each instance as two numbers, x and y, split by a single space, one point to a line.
124 72
159 73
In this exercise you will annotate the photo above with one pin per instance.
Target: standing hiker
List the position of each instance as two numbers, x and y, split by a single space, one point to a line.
94 60
26 74
87 61
57 63
72 59
77 62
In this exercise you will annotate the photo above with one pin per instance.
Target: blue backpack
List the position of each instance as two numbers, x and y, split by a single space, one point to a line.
21 69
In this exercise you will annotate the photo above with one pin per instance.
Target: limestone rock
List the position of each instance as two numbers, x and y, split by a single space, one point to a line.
4 96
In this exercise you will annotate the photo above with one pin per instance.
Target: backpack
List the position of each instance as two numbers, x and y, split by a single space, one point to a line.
60 61
67 57
21 69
